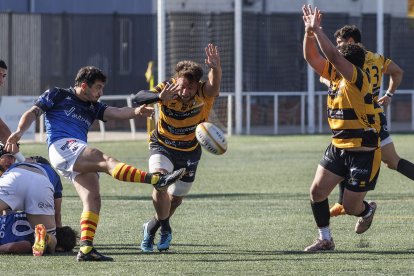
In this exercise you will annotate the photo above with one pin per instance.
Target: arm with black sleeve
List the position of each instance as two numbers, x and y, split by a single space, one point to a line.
146 97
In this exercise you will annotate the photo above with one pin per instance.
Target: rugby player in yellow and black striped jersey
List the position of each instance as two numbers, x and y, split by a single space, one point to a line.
377 65
183 102
350 109
354 153
178 119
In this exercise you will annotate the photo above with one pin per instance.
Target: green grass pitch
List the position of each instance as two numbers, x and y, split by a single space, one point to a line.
247 214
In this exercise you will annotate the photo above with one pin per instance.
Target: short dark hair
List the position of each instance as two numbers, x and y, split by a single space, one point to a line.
349 31
66 238
3 151
3 64
354 53
89 74
190 70
40 159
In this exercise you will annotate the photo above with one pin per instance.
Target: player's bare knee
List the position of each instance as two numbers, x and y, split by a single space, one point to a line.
390 157
176 201
159 195
93 152
316 194
391 164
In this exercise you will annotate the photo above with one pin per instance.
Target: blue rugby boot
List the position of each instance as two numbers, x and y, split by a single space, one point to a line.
147 244
164 243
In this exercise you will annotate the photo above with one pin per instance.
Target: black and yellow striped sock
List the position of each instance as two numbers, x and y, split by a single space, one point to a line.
125 172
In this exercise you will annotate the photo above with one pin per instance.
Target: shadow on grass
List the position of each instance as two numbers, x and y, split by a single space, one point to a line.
179 249
251 256
220 256
64 254
126 246
252 196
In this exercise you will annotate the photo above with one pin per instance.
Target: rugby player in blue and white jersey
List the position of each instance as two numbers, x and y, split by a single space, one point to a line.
17 236
15 233
35 188
68 115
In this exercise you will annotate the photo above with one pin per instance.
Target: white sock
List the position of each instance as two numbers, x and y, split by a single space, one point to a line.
325 233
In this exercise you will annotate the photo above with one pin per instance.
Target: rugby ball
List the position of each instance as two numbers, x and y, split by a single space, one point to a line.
211 138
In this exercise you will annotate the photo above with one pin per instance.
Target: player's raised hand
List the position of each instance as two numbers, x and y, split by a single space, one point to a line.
170 92
11 144
311 18
306 12
315 18
213 56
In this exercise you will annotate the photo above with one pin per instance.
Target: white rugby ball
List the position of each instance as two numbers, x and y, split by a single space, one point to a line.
211 138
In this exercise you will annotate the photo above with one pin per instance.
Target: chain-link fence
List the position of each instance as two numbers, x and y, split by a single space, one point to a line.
44 50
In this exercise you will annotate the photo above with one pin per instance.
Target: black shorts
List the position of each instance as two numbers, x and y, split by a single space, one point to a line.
360 169
180 159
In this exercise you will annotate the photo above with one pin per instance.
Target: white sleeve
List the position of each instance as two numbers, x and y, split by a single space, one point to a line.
19 157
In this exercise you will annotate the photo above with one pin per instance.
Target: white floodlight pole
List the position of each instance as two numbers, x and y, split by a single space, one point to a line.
311 94
32 6
380 27
238 79
380 47
161 33
161 40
